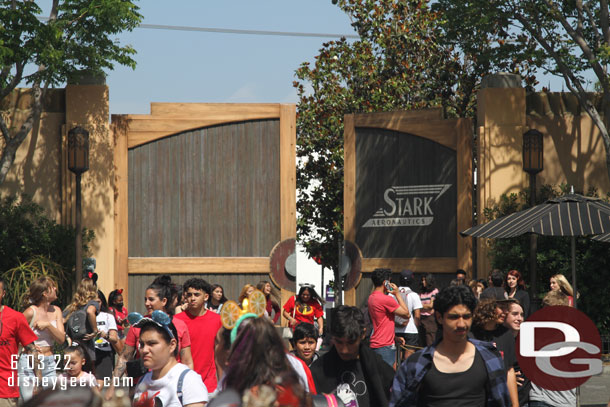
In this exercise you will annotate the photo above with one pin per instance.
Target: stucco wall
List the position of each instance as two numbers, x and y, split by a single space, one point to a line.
40 167
573 149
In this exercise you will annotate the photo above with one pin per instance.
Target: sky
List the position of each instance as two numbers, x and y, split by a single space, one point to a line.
189 66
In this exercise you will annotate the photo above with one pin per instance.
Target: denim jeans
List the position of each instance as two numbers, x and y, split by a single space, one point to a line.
387 353
47 363
536 403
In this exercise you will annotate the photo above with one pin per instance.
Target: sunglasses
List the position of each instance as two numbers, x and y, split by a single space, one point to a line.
157 317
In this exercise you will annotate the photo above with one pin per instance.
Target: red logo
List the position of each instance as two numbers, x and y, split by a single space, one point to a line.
559 348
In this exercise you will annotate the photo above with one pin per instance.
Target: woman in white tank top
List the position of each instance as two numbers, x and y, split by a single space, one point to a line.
47 322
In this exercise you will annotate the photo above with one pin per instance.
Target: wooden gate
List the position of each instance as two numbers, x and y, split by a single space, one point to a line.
203 190
407 192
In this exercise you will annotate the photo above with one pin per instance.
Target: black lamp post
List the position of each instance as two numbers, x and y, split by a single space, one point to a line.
532 164
78 162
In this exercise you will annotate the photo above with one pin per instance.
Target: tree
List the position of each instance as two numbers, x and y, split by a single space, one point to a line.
77 36
571 38
398 63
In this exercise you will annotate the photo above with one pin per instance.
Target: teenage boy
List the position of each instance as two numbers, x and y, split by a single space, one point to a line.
350 369
203 326
14 331
456 370
383 309
304 342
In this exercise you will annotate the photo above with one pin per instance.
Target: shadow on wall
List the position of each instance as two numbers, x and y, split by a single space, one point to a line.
36 169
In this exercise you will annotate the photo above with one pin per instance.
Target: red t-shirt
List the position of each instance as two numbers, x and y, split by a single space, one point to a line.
308 312
203 331
381 310
184 338
15 331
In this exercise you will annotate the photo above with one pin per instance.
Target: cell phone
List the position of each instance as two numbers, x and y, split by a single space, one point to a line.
387 285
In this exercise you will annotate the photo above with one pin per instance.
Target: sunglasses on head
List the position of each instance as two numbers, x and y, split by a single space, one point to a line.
157 317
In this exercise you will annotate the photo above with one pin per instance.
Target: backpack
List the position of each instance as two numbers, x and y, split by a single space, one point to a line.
76 326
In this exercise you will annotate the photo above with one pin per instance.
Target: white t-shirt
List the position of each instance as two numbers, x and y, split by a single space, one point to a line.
105 323
413 302
193 389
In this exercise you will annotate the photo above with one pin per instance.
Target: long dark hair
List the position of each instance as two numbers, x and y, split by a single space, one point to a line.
430 284
312 292
113 296
164 288
223 299
259 350
104 304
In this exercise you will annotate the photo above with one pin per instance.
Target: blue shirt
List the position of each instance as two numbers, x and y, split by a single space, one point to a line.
405 389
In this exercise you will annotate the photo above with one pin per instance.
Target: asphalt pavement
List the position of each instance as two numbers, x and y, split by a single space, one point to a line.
596 391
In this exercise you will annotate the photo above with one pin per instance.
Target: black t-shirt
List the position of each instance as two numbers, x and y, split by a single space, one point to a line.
503 340
463 389
352 384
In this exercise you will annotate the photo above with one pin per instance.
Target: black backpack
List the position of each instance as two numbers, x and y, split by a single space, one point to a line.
76 326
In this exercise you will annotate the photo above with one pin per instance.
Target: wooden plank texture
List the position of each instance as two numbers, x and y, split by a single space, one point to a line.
237 110
288 176
198 265
211 192
438 264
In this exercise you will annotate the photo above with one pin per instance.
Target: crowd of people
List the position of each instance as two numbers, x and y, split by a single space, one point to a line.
409 346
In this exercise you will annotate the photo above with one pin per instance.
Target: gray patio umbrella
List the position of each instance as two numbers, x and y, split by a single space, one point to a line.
602 238
569 215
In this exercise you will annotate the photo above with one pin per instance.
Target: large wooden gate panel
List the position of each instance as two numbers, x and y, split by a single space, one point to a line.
202 190
206 193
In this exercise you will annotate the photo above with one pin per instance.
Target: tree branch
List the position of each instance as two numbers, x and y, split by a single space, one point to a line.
591 18
604 21
586 50
572 82
14 82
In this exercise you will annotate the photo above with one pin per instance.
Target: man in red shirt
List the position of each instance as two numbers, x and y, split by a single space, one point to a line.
14 330
203 326
383 309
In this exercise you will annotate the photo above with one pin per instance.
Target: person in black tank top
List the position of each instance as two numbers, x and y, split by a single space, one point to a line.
465 389
455 370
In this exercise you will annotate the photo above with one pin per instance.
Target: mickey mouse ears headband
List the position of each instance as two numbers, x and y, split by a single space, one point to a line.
158 318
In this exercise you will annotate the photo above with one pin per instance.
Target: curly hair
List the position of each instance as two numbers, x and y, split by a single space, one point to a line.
454 295
85 292
484 312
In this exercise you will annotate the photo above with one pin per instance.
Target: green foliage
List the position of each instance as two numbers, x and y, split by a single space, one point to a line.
79 35
397 64
554 256
18 280
26 234
569 39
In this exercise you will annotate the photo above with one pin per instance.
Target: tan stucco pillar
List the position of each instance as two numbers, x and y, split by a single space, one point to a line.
87 106
501 123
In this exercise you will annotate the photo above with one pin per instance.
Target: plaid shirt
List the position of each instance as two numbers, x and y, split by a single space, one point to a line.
405 389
